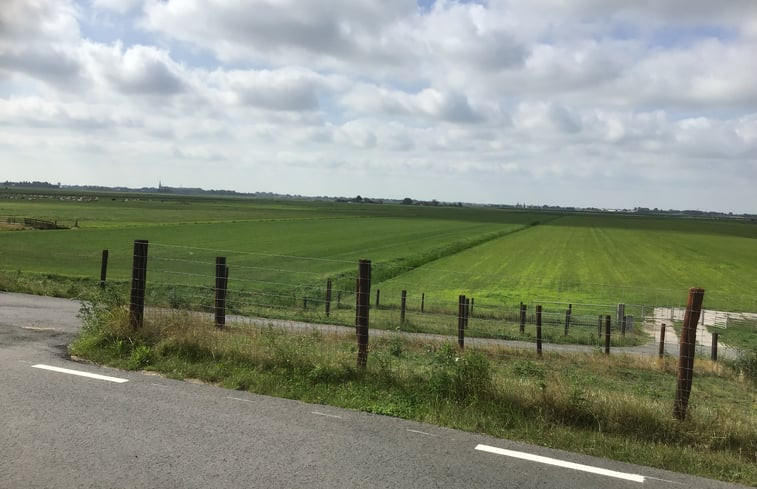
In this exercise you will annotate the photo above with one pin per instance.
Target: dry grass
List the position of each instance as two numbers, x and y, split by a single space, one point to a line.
618 406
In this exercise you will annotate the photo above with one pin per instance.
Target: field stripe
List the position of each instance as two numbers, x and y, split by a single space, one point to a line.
80 373
561 463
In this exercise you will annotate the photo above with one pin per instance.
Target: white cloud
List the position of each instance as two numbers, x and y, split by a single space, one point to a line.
429 103
118 6
283 89
504 96
144 70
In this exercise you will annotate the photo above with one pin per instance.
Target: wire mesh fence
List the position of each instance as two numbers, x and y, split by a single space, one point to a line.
303 290
319 310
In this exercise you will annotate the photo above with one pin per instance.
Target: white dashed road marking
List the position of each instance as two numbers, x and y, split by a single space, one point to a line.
80 373
561 463
324 414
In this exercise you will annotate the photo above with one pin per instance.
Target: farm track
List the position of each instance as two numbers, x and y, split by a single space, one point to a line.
649 349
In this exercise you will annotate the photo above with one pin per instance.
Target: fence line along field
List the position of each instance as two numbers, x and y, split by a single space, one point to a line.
498 257
260 295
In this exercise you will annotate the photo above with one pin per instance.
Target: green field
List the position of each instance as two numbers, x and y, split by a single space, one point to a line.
281 252
583 259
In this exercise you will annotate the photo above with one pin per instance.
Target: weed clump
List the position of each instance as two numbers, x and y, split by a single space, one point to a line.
746 365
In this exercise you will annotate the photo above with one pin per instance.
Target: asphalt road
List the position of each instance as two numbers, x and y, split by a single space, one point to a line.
64 430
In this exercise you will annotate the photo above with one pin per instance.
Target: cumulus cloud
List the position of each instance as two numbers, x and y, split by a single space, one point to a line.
144 70
503 95
429 103
268 30
283 89
36 39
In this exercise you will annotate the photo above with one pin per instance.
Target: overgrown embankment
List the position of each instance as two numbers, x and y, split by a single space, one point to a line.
617 407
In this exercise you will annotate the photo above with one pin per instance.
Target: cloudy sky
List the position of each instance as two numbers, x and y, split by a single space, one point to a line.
574 102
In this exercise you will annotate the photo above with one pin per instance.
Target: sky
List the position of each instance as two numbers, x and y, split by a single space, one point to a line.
587 103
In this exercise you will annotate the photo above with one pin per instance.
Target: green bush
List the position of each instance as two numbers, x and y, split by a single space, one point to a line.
460 377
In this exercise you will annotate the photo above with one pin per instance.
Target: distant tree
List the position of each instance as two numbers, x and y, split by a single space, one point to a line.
407 201
358 199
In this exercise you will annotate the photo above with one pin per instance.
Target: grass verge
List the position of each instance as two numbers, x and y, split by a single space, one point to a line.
618 407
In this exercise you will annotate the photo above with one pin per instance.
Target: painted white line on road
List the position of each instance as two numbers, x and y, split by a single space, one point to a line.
561 463
324 414
80 373
421 432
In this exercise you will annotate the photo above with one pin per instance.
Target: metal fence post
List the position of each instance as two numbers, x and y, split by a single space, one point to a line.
403 304
362 300
608 332
103 268
328 297
138 284
522 325
220 292
538 329
461 321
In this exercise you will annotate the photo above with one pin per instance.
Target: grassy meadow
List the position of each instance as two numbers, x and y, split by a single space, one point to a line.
280 254
497 256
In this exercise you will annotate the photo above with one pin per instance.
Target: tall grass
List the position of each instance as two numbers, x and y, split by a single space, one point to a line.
618 407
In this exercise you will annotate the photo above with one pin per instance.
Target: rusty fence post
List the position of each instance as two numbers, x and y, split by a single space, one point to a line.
423 302
103 268
362 307
222 273
328 297
714 351
461 321
538 329
138 284
568 312
686 352
662 340
522 323
378 297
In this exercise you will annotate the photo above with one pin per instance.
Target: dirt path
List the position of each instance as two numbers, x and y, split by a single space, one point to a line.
708 319
23 315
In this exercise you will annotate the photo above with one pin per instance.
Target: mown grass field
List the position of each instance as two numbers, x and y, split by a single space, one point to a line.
287 249
588 259
280 254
